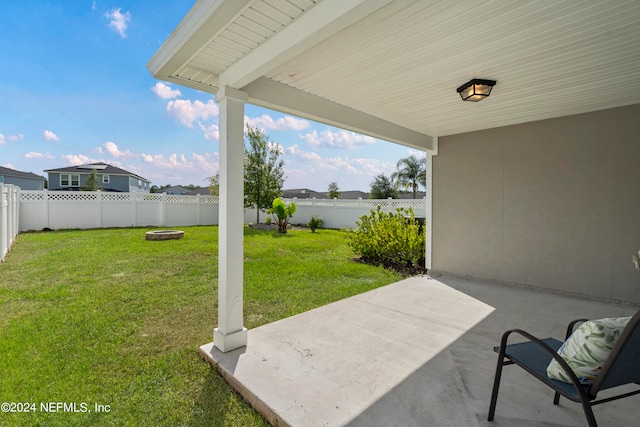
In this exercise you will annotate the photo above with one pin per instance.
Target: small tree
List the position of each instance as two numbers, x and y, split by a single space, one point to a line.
333 191
281 213
91 184
214 184
263 174
382 188
411 174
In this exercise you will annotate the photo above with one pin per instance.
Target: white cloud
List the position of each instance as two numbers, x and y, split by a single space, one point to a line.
187 113
77 159
301 154
211 132
34 155
50 136
340 139
118 21
113 150
10 138
197 162
179 168
292 149
164 91
267 122
339 167
207 162
419 154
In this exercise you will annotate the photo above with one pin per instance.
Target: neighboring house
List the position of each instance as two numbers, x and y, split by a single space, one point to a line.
421 195
301 193
350 195
24 180
305 193
176 190
110 178
205 191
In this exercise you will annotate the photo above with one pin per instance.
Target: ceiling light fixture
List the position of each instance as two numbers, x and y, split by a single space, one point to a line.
476 89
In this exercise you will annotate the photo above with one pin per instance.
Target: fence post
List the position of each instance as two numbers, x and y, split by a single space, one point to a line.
198 209
135 209
164 209
3 222
99 201
15 207
45 207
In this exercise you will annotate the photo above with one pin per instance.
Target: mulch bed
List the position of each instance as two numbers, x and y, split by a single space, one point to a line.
403 269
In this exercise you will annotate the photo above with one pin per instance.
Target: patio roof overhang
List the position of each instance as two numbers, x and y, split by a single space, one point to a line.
390 69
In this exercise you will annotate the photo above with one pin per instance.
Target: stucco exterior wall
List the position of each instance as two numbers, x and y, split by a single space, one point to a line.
552 204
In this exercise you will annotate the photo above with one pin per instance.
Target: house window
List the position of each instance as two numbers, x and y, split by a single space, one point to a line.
69 180
105 179
1 178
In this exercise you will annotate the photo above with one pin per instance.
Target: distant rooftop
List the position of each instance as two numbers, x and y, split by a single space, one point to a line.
19 174
99 166
306 193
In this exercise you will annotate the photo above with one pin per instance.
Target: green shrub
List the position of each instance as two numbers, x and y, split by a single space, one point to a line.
382 237
314 223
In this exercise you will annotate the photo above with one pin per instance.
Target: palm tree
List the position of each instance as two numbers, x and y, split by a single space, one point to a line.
411 173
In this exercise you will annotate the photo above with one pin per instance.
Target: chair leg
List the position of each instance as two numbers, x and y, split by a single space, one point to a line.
591 419
496 386
556 398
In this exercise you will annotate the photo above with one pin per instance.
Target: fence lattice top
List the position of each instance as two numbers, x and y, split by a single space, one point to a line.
75 196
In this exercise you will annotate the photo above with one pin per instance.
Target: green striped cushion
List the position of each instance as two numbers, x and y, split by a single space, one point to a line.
587 348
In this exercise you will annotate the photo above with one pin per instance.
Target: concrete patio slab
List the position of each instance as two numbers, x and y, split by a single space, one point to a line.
414 353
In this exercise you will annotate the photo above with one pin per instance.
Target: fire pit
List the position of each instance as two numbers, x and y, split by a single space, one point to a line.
164 235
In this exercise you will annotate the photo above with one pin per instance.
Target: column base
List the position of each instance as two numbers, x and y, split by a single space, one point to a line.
227 342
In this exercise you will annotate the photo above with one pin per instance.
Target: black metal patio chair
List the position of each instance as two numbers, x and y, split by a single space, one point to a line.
620 368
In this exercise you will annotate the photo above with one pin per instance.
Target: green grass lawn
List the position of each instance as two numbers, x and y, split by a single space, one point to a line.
106 317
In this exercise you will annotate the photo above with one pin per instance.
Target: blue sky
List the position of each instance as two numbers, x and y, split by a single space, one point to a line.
75 89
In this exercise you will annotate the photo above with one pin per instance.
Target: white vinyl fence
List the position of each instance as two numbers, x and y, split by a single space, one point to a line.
25 210
97 209
340 214
85 209
9 217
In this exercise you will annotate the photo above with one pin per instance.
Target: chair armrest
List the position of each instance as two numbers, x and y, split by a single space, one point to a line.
552 353
572 325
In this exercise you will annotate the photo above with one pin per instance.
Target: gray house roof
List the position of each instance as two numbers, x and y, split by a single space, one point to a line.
201 191
100 167
19 174
306 193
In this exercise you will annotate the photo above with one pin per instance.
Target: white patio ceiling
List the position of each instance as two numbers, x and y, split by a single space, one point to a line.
391 68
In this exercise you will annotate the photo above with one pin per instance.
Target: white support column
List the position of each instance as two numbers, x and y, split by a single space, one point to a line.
230 333
428 223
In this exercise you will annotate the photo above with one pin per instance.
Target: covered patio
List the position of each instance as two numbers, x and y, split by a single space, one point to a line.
415 353
534 186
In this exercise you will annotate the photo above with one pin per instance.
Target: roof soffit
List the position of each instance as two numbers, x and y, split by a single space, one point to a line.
402 60
316 24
